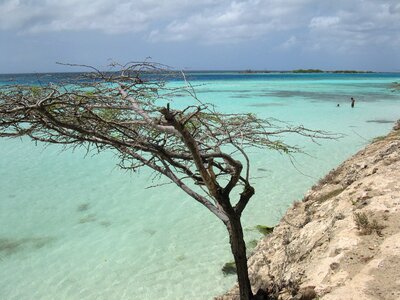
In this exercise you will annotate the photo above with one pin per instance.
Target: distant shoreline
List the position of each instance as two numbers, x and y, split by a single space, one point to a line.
315 71
248 71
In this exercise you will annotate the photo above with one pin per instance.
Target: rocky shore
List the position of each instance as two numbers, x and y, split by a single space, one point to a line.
342 240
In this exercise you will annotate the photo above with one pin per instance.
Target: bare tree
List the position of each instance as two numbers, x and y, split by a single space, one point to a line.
195 147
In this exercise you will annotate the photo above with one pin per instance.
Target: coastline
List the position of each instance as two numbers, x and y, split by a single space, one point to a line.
342 240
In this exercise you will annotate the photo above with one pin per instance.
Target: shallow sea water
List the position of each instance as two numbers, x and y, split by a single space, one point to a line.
76 227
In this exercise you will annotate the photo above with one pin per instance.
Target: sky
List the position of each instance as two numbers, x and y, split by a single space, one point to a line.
200 35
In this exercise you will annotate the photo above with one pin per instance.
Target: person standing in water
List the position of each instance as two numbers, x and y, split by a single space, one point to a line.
352 102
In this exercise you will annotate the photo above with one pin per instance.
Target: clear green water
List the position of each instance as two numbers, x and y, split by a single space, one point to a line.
76 227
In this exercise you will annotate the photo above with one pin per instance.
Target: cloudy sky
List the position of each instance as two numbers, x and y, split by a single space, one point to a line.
203 34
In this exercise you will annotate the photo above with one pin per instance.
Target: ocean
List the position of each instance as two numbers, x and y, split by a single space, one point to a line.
75 226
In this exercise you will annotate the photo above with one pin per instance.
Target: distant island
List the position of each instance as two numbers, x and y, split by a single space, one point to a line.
321 71
305 71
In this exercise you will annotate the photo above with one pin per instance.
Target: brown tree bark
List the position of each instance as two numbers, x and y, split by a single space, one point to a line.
238 248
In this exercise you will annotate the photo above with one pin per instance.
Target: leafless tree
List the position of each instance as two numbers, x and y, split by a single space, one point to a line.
200 150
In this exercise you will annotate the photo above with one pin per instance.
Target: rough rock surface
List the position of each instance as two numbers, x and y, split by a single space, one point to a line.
319 245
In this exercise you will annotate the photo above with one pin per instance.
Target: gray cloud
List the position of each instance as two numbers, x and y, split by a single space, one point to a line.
362 23
323 24
117 16
233 21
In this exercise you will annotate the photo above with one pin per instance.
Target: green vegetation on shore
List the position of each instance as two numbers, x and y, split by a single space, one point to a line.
335 71
350 71
249 71
265 230
307 71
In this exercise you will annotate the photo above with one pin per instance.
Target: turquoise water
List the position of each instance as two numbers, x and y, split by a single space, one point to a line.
76 227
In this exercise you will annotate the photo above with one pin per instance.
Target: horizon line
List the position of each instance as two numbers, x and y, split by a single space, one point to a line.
243 71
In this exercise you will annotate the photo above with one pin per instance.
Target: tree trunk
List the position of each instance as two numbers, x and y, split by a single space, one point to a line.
238 248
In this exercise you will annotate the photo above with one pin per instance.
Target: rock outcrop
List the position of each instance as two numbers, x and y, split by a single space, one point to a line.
342 241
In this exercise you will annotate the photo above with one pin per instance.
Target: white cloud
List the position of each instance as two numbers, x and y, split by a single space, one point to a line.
234 21
289 43
104 15
361 23
322 24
